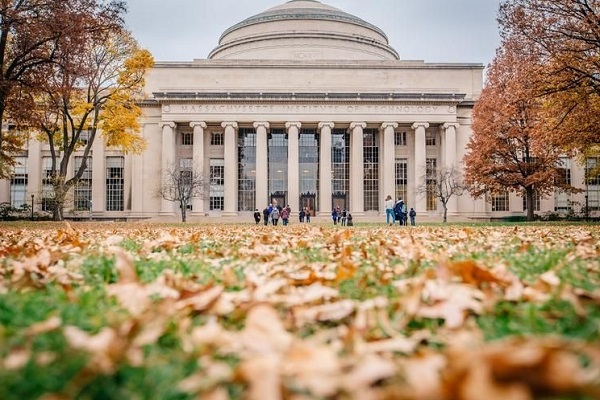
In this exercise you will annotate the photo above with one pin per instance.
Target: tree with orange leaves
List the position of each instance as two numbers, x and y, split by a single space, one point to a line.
564 36
510 149
31 33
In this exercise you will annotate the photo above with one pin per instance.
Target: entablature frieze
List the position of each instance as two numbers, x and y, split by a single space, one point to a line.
308 112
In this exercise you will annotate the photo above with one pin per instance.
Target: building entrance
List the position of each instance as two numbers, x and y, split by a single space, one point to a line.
278 199
308 201
339 200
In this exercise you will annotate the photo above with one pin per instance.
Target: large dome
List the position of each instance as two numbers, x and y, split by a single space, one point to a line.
304 30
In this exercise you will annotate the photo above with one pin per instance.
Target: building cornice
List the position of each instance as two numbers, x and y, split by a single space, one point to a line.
171 96
314 64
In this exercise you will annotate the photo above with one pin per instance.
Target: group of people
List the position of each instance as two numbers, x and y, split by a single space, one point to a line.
341 216
274 212
396 212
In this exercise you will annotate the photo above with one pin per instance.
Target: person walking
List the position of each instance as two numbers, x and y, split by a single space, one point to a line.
334 216
389 210
399 210
266 216
307 215
275 216
257 216
344 215
284 216
412 214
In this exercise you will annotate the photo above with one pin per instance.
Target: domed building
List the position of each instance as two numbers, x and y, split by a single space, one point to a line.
302 105
307 105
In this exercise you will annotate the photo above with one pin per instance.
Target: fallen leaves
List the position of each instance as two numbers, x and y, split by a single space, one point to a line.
312 312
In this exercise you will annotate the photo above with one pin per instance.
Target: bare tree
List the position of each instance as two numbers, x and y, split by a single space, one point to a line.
442 183
181 185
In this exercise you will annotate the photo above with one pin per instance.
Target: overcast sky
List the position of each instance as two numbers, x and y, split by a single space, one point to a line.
430 30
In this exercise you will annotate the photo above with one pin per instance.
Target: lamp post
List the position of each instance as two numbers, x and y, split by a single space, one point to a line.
32 196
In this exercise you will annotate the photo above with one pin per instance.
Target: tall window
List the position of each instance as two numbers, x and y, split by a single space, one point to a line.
500 202
114 183
246 169
401 178
278 163
84 137
431 183
18 182
371 169
309 162
216 139
562 200
187 138
217 183
430 138
340 163
399 138
592 177
83 188
47 188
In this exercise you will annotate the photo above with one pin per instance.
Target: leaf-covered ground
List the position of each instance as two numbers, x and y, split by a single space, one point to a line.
137 311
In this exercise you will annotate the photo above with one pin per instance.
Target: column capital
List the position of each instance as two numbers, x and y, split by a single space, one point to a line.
329 125
201 124
296 124
454 125
362 125
424 125
169 124
386 125
225 124
258 124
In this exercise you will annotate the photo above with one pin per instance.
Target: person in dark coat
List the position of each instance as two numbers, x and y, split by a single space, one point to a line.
256 216
266 215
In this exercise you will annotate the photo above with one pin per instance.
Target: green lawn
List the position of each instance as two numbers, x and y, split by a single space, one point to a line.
159 311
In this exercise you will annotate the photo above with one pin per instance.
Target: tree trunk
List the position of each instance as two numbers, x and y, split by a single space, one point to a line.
183 211
60 193
445 212
529 202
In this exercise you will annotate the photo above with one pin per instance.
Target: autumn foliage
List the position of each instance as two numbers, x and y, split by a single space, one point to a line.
32 34
94 92
511 149
563 36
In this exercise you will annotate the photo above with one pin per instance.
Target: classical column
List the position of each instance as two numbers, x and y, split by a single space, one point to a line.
34 170
450 155
137 178
262 165
450 150
389 161
231 168
325 168
420 200
293 130
167 161
357 201
198 163
98 175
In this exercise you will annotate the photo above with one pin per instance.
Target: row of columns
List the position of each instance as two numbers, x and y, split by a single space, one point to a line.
325 189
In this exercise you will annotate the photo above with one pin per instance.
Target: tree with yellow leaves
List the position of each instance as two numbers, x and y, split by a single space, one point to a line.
93 93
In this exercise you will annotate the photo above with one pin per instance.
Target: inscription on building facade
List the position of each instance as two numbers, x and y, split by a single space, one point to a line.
304 109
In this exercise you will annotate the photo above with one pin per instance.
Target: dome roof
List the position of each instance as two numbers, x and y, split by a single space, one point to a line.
304 29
